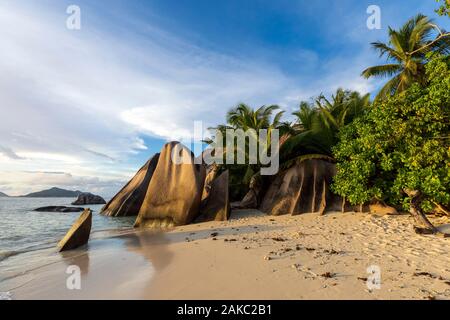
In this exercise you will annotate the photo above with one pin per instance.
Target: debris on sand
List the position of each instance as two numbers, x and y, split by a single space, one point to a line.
362 279
328 275
332 251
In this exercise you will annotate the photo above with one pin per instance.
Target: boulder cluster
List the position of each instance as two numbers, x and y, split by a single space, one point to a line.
164 193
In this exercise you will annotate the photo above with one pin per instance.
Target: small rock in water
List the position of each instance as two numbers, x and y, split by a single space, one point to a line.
88 198
63 209
78 234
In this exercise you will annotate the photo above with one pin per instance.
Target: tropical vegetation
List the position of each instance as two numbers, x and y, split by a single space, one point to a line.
401 145
407 53
394 149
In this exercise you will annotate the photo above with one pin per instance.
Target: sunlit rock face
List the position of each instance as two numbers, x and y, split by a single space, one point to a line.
175 190
79 233
302 188
215 205
129 200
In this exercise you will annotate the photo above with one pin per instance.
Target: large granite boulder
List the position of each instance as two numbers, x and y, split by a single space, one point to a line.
128 201
211 175
302 188
253 197
78 234
174 193
216 206
59 209
88 198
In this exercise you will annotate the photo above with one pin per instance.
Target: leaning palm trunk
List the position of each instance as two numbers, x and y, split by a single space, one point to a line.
424 226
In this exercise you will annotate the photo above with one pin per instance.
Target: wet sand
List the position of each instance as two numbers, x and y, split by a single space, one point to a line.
253 256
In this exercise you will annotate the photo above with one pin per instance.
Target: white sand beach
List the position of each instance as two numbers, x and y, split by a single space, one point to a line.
253 256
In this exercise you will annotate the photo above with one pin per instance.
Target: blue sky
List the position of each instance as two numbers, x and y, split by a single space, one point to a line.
84 109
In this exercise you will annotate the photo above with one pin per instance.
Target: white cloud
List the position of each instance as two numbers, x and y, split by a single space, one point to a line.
79 101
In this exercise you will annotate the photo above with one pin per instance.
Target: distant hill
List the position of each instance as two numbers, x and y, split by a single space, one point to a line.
3 195
53 193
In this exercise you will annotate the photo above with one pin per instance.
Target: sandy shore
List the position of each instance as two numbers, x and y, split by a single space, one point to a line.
253 256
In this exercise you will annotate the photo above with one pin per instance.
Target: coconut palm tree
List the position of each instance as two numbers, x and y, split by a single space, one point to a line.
319 123
246 118
406 51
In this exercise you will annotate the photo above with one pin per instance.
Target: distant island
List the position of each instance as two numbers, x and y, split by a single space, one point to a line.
3 195
53 193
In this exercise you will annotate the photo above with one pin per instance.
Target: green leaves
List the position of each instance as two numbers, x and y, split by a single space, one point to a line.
402 142
319 123
406 50
444 9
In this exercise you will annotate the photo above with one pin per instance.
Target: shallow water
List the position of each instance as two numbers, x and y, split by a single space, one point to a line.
25 233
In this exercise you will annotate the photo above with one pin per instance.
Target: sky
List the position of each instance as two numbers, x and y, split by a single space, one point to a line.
85 109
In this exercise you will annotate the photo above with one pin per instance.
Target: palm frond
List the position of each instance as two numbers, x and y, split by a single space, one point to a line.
386 70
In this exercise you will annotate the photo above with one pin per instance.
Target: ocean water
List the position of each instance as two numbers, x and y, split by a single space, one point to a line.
23 230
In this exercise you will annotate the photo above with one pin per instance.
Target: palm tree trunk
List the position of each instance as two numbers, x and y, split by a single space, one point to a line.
424 225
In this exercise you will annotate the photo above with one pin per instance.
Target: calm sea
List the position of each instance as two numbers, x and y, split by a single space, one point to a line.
23 230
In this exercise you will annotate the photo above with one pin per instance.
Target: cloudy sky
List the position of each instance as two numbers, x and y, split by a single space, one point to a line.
84 109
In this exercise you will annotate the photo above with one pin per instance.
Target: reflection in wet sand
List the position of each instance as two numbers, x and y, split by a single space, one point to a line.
153 245
81 260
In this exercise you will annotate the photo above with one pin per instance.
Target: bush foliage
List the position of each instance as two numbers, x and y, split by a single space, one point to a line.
402 142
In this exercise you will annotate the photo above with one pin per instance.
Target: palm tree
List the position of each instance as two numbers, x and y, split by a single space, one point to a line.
319 123
406 50
305 116
246 118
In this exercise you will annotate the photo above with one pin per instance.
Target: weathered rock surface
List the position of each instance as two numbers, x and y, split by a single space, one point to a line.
78 234
88 198
253 197
216 206
59 209
128 201
302 188
211 174
174 193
